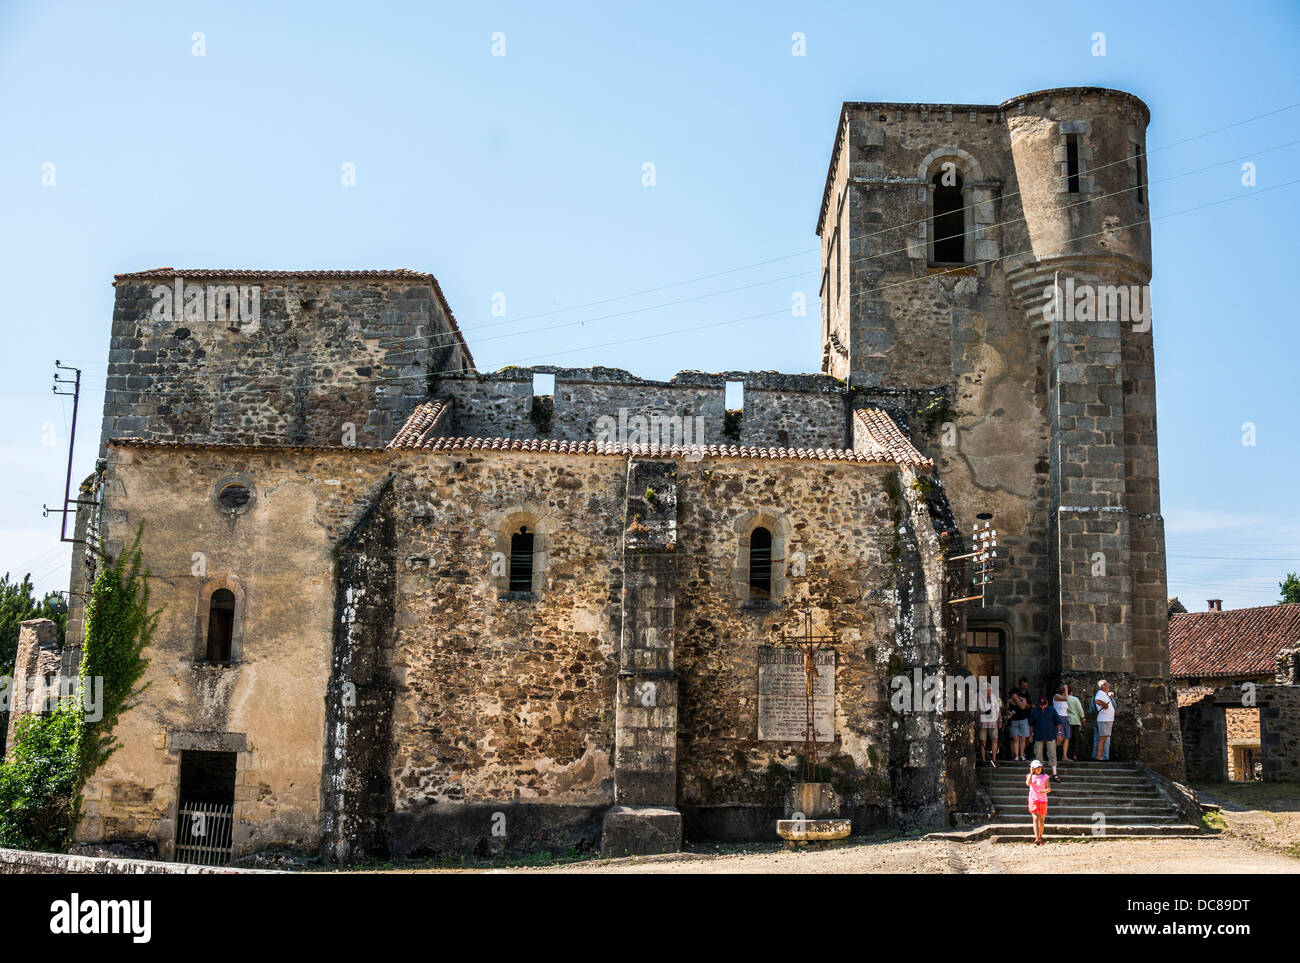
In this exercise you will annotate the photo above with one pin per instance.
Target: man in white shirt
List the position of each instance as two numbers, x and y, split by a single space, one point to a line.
1105 703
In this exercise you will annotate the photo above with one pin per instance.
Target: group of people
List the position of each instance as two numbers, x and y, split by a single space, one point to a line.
1046 725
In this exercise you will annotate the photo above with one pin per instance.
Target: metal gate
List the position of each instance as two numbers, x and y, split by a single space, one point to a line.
203 832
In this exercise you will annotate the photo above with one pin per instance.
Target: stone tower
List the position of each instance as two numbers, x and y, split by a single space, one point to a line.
984 278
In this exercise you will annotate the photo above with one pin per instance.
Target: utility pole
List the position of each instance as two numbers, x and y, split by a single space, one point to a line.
69 502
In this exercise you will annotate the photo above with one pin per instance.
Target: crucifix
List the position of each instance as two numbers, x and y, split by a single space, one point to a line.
807 643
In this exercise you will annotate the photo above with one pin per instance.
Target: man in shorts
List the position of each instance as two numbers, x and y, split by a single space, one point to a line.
1105 703
990 708
1018 706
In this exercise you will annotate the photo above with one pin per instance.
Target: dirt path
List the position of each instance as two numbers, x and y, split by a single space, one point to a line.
1224 854
1263 813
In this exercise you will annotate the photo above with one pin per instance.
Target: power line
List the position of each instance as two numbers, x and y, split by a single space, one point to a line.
424 339
783 310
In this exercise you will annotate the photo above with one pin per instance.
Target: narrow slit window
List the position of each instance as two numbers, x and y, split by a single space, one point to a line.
1072 163
760 564
221 625
1141 173
521 560
948 226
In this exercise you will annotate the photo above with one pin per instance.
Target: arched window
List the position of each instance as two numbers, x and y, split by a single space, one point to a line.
521 560
760 564
948 221
221 625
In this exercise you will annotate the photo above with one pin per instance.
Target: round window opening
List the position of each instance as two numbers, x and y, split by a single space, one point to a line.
234 497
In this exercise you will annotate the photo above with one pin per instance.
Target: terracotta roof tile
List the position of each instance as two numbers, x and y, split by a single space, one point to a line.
421 432
425 422
885 442
558 446
1236 642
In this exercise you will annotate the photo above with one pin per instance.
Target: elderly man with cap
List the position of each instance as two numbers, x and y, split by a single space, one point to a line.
1105 703
1043 720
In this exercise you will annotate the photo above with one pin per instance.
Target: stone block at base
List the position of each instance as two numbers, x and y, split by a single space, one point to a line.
813 830
641 831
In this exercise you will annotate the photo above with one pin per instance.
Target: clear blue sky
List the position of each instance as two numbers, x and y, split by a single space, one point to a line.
522 174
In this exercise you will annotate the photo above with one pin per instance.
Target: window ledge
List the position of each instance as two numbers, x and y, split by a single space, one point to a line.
517 597
761 605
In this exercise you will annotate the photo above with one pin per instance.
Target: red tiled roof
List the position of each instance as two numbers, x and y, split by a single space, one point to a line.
423 424
653 451
549 445
234 274
886 442
1236 642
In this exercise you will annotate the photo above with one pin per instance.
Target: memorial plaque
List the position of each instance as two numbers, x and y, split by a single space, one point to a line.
782 702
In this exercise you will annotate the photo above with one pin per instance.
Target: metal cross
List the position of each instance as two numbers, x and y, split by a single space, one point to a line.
807 643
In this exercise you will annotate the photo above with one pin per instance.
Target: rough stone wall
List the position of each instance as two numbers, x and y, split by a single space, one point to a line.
268 705
356 786
38 657
325 354
505 700
842 519
780 410
645 771
1054 422
482 718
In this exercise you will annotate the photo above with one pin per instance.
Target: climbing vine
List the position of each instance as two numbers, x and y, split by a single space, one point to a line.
53 755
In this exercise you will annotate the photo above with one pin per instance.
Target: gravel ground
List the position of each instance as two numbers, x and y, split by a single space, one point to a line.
1223 854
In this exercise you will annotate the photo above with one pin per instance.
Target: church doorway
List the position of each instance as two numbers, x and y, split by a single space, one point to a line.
986 651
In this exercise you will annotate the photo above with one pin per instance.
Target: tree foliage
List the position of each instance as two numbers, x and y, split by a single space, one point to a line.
1290 587
39 798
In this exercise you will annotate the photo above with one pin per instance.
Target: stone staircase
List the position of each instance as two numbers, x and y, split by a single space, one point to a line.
1088 800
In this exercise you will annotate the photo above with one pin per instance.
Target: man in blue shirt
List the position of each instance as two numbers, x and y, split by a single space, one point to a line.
1043 720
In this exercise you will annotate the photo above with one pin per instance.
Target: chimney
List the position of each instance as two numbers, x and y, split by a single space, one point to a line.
1215 605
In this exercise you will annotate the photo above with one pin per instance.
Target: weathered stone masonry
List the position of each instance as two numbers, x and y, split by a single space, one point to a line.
391 691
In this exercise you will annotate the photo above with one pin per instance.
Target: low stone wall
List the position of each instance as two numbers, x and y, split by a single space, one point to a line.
21 862
1279 732
1176 794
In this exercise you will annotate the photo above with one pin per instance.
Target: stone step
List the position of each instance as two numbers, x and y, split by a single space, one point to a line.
1065 785
1124 779
1085 831
1015 833
1085 816
1066 788
1055 802
1069 767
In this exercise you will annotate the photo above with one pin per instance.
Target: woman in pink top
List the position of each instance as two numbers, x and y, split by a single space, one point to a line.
1039 786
